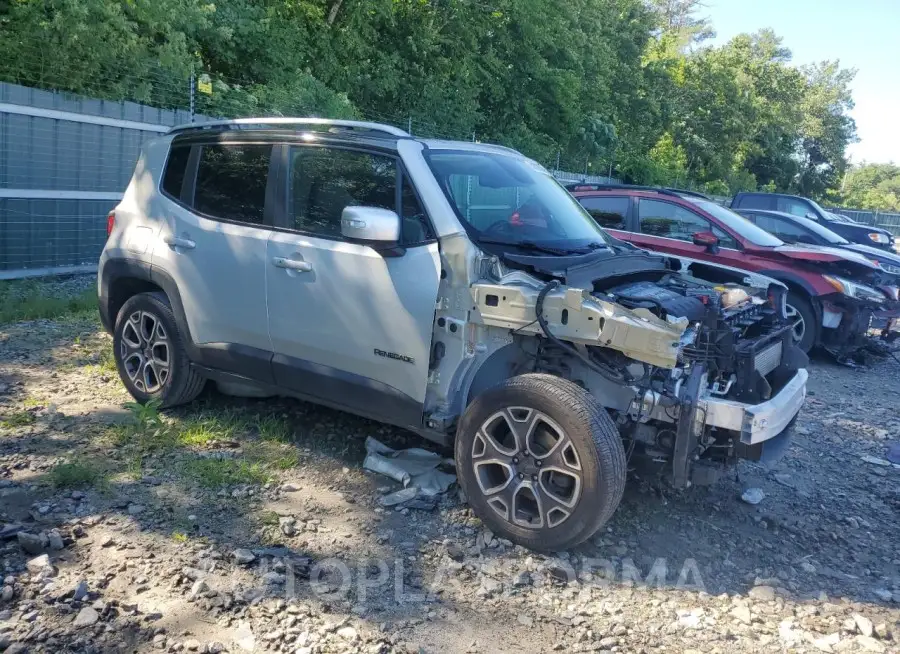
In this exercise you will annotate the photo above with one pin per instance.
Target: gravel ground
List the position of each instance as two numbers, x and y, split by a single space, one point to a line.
250 526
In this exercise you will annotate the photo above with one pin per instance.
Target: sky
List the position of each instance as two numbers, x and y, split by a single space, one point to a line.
862 34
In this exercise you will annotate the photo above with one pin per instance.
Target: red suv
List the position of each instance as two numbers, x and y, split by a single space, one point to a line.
831 295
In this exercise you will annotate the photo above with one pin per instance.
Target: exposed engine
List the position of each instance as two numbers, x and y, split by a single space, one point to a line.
739 337
733 343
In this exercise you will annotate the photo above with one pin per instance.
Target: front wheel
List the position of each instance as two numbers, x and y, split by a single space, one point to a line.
805 326
540 461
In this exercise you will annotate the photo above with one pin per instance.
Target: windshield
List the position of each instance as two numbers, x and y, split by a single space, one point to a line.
738 224
823 232
507 199
839 217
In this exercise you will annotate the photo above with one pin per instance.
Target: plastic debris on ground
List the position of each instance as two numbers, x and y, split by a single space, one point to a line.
417 469
893 454
753 495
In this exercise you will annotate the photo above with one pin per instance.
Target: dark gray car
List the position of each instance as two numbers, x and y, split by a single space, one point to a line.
811 210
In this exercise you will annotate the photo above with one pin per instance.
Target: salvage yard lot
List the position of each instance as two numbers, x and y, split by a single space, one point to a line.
199 529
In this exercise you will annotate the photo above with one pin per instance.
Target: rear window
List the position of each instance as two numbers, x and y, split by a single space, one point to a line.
755 201
231 182
173 178
607 212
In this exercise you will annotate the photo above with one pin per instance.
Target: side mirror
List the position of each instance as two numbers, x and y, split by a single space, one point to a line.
370 225
812 216
708 240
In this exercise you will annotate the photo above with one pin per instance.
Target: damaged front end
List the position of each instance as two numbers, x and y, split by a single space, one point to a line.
850 315
696 373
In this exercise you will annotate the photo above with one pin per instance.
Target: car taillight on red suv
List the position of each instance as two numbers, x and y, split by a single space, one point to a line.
110 222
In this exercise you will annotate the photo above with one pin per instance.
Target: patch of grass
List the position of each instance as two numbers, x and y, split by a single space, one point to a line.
203 429
32 402
275 428
17 419
213 473
180 537
273 455
106 363
76 474
30 299
268 518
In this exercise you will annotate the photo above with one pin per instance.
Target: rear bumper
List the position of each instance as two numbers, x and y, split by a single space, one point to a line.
759 422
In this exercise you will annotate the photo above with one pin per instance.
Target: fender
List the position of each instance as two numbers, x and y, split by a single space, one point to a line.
111 271
114 270
789 278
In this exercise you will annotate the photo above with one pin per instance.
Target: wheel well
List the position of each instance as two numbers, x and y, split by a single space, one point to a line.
124 288
499 366
802 292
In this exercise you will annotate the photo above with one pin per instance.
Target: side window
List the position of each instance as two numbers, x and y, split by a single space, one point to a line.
670 220
785 230
173 178
608 212
325 181
231 182
756 201
794 207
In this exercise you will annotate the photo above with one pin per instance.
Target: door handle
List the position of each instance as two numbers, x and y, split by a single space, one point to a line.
175 242
292 264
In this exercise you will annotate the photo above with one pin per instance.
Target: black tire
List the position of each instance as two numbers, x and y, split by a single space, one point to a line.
597 447
181 383
804 309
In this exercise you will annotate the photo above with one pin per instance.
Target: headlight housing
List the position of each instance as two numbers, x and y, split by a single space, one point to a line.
878 237
855 290
889 267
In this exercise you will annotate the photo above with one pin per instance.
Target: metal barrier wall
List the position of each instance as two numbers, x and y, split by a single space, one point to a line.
64 162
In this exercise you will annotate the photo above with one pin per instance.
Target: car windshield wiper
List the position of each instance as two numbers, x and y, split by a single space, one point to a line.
528 245
535 247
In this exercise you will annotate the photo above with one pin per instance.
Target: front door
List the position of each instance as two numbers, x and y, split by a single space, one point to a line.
668 227
351 326
213 246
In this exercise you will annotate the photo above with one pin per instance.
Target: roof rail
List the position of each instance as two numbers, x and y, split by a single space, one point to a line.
252 123
591 186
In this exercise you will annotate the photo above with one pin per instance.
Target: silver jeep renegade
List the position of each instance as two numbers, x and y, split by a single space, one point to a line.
454 289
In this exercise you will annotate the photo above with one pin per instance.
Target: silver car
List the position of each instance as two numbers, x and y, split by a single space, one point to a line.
453 289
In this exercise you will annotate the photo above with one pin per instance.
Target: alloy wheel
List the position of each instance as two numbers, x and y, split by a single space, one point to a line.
798 325
527 468
145 351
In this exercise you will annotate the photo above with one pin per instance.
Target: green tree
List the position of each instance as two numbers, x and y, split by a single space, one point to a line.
872 186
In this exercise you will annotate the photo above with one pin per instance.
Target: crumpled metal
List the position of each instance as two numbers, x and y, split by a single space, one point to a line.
413 467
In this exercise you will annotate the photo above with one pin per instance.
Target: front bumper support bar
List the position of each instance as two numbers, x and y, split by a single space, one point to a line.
759 422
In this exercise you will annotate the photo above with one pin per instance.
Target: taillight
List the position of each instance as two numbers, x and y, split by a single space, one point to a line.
110 222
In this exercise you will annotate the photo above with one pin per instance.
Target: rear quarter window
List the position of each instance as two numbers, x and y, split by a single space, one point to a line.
173 177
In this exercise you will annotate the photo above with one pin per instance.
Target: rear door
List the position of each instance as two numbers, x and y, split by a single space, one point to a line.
608 211
212 246
351 326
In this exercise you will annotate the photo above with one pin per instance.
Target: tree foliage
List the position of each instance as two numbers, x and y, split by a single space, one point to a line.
872 186
631 84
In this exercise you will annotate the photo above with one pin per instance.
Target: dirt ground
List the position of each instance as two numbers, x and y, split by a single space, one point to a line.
240 525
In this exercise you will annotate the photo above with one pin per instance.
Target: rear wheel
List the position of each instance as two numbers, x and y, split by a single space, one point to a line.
540 461
150 354
803 318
